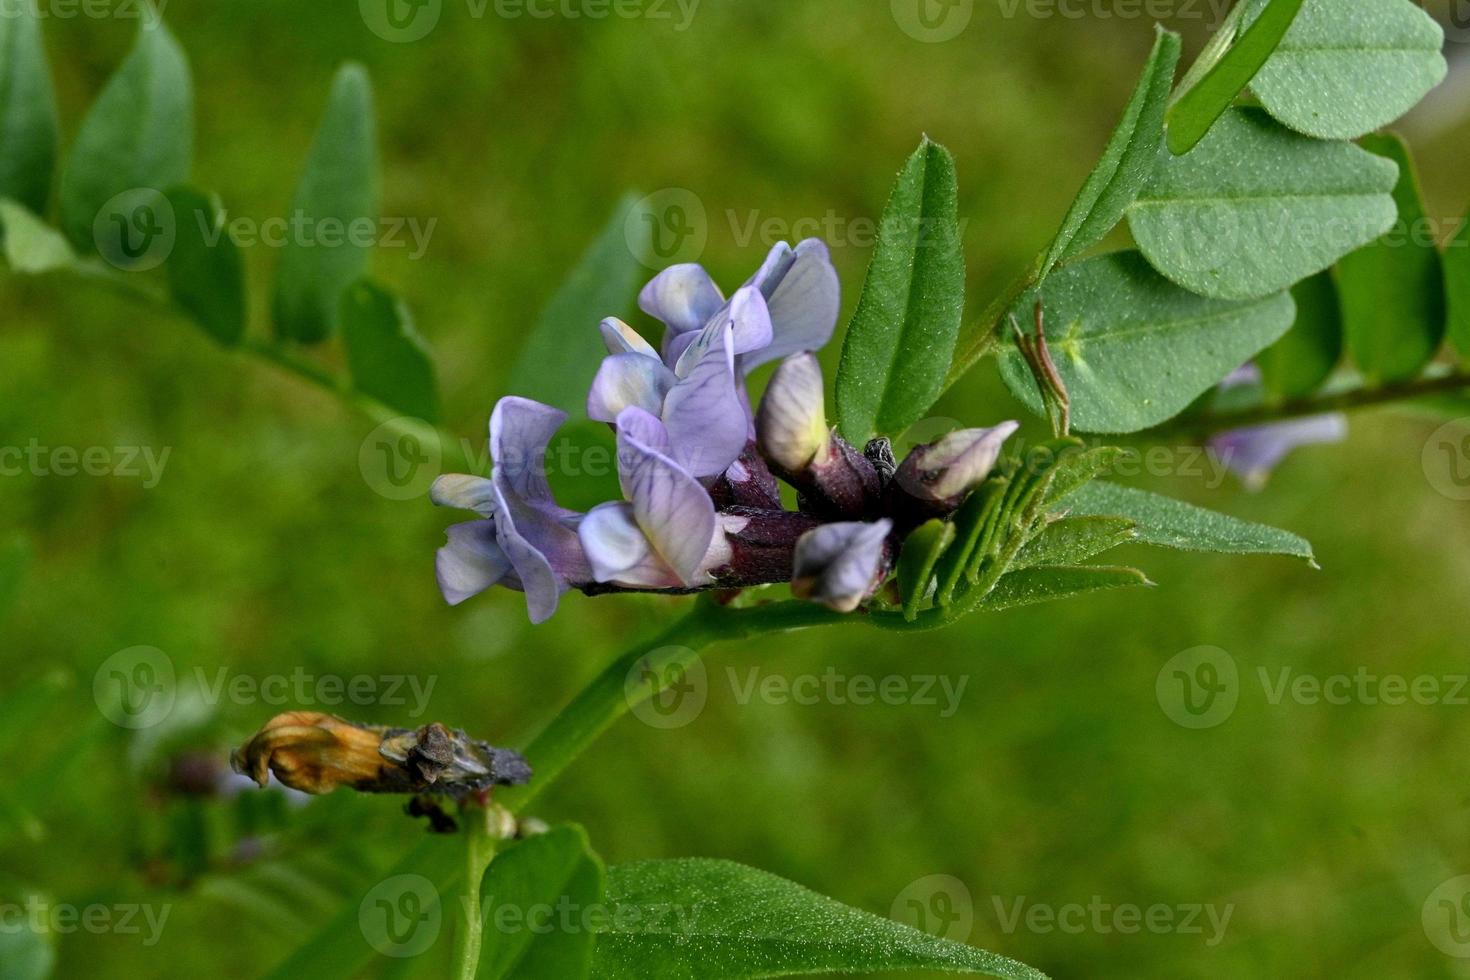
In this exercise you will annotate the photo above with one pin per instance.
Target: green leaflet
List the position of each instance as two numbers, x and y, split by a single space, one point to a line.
1213 88
1134 349
975 515
526 936
902 337
735 922
1255 207
206 273
138 134
1045 583
1169 523
563 352
1073 540
385 355
1297 364
1126 163
337 193
27 111
31 245
1457 287
922 550
1348 67
1393 299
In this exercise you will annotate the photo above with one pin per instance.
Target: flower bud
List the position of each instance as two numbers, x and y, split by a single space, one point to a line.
791 426
840 565
937 477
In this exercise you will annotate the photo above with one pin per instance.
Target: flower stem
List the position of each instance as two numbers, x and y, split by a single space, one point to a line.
484 827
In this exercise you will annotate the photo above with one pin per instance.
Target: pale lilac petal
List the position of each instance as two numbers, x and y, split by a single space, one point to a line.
471 562
643 429
520 430
623 339
955 464
840 565
675 344
546 555
750 321
673 509
706 418
465 493
1252 453
792 422
628 379
804 298
620 552
682 297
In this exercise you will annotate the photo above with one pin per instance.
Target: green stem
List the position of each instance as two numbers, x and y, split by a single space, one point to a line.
479 851
642 672
1202 427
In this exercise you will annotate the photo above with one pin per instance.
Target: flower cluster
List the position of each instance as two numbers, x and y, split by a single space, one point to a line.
698 468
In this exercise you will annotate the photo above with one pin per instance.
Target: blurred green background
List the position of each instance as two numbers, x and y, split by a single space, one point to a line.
263 549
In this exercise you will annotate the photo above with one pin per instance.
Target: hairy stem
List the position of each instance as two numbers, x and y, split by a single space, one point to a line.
479 851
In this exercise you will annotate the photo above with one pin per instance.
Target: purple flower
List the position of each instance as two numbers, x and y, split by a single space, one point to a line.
701 508
525 540
1253 453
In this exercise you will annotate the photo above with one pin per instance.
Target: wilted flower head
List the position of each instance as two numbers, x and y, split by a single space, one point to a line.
697 468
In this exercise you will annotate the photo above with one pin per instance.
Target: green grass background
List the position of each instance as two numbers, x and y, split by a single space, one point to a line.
264 550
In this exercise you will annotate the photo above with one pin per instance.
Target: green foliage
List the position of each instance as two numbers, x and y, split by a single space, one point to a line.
1133 348
1392 291
138 134
552 871
1348 67
15 560
1126 163
1255 207
1214 83
206 273
902 337
1047 583
1297 364
921 553
386 357
697 919
561 356
31 245
1169 523
27 111
1072 540
338 190
24 953
1457 286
